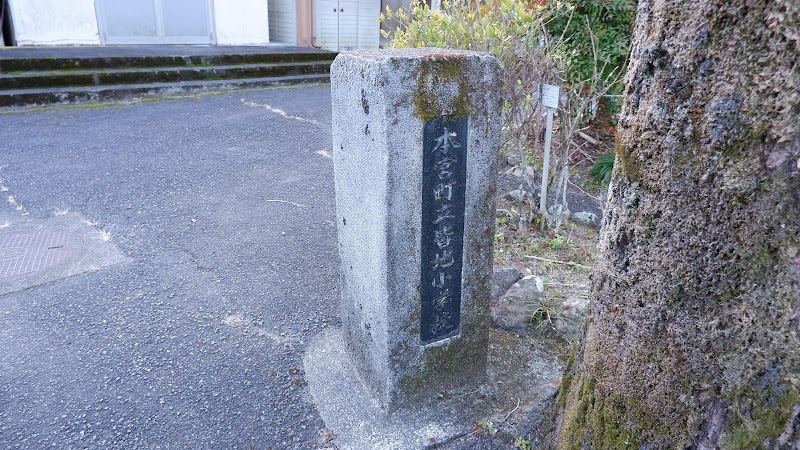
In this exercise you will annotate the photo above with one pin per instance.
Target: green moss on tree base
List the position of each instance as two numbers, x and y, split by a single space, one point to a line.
762 415
600 420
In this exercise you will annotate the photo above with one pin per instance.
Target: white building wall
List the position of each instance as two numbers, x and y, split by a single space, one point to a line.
54 22
369 31
74 22
241 22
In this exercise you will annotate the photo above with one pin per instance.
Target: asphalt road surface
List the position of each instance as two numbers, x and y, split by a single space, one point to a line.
224 207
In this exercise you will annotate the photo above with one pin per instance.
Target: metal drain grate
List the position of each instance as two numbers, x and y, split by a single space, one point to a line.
27 252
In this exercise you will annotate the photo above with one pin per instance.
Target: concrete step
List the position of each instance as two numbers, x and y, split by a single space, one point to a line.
86 94
142 75
40 76
9 62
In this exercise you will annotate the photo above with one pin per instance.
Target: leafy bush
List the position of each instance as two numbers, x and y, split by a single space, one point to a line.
468 25
610 22
513 31
522 36
602 167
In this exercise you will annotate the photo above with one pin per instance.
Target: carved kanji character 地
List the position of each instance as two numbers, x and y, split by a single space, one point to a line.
444 260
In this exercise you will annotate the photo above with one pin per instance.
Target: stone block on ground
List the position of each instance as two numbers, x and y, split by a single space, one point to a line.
513 311
503 278
587 218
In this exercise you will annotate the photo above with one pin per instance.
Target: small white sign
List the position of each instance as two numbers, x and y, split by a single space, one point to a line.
550 96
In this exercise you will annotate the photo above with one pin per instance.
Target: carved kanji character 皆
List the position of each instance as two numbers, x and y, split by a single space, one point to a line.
441 237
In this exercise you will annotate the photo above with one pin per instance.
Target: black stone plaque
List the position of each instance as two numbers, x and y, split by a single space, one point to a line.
444 175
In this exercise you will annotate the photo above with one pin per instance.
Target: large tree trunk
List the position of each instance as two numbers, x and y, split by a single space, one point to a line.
692 340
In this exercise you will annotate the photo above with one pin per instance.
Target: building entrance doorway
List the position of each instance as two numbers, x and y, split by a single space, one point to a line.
155 22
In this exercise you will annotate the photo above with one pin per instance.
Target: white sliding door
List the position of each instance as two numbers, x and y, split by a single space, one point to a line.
283 21
155 21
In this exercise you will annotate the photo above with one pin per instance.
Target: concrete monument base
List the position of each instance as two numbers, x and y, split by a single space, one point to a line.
519 377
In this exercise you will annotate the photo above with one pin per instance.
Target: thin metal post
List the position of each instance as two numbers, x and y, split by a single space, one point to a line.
546 164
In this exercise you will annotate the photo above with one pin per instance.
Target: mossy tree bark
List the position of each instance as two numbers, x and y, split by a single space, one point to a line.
692 340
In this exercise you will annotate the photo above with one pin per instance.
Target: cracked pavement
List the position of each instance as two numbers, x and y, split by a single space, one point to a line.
225 210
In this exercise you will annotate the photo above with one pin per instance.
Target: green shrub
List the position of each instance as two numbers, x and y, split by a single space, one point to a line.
611 24
602 167
513 31
536 42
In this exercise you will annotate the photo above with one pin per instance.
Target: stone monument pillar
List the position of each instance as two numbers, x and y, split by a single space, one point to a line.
415 141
